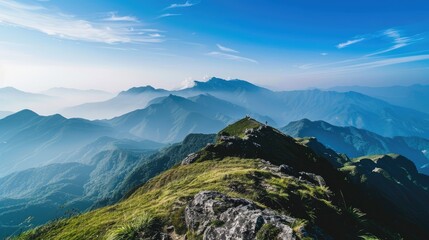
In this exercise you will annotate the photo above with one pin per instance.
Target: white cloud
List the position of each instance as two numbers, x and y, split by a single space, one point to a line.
324 54
181 5
397 40
231 57
387 62
169 15
349 42
366 63
225 49
120 49
305 66
60 25
155 35
115 18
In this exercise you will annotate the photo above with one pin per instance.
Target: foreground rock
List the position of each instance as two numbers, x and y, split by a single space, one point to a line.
217 216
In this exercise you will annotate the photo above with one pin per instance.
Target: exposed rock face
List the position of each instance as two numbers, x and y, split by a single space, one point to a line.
190 159
217 217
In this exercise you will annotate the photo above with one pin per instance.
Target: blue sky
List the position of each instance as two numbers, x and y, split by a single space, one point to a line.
116 44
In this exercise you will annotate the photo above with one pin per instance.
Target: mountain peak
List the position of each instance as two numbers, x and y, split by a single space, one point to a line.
10 90
174 98
219 84
239 128
143 89
25 113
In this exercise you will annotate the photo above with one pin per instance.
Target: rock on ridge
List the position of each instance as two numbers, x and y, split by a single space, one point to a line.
217 216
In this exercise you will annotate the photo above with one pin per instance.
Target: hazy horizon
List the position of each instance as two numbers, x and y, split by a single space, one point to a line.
46 91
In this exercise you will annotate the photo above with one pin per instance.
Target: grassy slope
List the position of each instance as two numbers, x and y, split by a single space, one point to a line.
166 192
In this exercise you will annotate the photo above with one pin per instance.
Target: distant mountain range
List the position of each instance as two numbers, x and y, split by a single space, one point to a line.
343 108
46 102
30 140
13 100
415 96
124 102
171 118
358 142
339 108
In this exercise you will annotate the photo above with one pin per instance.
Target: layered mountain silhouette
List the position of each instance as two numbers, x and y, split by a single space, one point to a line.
414 96
254 181
338 108
47 102
171 118
29 140
14 100
124 102
358 142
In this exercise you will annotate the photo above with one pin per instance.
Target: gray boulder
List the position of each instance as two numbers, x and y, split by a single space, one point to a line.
216 216
190 159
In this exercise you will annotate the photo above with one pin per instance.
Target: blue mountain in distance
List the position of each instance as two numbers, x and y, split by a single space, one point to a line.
60 91
218 84
358 142
338 108
13 100
415 96
29 140
126 101
171 118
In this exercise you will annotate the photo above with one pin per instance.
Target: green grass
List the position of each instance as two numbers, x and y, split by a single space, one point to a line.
165 196
238 128
268 232
145 226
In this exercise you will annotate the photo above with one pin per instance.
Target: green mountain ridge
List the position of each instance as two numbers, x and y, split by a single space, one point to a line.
255 169
359 142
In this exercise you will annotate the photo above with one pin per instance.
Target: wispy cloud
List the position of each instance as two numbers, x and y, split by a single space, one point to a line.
225 49
65 26
360 64
114 17
394 35
168 15
181 5
386 62
231 57
119 49
397 40
305 66
349 42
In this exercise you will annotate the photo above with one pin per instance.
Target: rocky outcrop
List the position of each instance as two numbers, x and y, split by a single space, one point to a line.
190 159
216 216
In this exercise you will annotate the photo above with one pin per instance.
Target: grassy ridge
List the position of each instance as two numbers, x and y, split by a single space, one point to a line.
165 194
